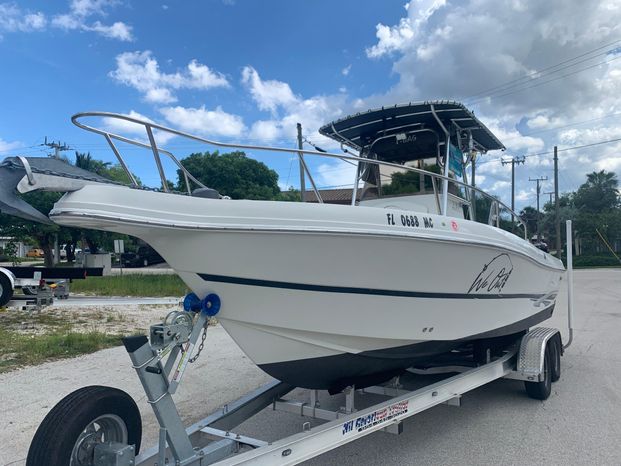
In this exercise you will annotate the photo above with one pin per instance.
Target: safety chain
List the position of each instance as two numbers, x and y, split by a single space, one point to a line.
202 344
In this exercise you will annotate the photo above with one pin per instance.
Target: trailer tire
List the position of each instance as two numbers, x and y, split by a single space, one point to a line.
541 390
6 289
555 367
62 438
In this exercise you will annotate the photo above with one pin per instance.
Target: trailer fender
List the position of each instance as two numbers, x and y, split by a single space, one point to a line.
532 350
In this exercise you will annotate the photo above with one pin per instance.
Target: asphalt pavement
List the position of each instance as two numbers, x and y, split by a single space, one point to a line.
496 425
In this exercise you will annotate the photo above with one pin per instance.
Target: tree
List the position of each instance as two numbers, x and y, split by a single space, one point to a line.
24 230
232 174
44 236
599 193
529 216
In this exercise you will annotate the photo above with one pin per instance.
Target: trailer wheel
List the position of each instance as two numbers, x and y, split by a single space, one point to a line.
88 416
555 369
6 290
541 390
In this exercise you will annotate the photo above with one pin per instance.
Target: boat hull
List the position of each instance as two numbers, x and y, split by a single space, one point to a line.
327 296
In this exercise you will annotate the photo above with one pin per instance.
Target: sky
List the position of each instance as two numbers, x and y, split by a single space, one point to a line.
538 74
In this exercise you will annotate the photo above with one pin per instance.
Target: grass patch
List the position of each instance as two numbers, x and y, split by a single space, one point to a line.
20 349
131 285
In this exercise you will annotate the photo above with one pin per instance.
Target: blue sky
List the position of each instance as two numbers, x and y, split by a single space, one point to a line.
249 70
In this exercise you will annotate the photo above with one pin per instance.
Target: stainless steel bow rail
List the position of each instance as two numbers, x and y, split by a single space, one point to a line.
100 426
496 206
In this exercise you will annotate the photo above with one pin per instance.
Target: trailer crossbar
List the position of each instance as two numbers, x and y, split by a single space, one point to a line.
318 440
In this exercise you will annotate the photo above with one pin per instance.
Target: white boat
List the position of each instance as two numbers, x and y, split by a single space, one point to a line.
325 296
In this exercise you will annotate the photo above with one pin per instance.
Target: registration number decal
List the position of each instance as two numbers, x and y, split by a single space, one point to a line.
412 221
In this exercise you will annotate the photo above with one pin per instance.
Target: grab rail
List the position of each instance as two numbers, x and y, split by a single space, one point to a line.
149 126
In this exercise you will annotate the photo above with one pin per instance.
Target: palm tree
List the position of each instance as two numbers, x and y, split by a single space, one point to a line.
86 162
603 180
599 193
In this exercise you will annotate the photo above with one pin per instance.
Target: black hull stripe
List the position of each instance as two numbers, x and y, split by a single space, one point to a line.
365 291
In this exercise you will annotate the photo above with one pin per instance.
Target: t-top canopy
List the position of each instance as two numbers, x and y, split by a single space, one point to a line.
411 131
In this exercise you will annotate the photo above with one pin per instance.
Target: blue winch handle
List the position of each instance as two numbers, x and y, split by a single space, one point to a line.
210 305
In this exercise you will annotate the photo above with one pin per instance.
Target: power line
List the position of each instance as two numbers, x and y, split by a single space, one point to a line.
599 143
610 115
542 83
528 77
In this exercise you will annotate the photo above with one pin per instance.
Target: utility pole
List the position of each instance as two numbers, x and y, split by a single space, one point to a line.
542 178
473 201
301 157
514 161
57 146
557 218
550 193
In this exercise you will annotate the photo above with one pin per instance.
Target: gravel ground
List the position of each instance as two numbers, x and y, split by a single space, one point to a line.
496 425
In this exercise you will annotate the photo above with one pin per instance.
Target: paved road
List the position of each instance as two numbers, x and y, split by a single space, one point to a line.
496 425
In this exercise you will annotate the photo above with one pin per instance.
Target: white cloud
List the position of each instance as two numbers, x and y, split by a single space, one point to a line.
117 30
401 36
331 174
209 123
135 130
269 95
7 146
266 130
287 109
81 10
345 71
485 53
504 129
13 19
141 71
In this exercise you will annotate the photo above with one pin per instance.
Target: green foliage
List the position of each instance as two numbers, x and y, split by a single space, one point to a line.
20 349
291 195
24 230
599 193
596 261
137 285
594 208
408 182
530 216
232 174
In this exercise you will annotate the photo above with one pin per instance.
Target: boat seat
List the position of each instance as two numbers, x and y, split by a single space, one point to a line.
207 193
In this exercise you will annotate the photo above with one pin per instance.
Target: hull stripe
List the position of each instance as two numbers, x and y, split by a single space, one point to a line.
365 291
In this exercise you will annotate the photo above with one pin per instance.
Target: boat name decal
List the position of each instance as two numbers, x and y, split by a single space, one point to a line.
410 221
380 416
494 275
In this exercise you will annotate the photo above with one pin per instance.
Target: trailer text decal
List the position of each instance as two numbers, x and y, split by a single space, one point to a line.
377 417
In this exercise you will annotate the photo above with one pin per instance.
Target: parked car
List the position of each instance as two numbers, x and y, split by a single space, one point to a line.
144 256
35 252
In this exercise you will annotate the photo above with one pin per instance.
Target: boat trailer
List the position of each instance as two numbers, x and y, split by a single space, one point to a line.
101 426
39 285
